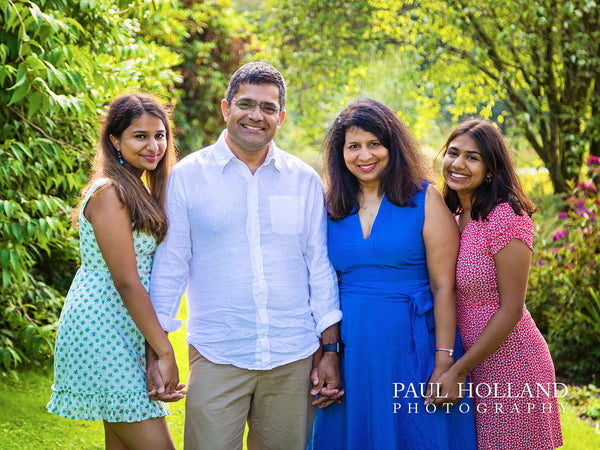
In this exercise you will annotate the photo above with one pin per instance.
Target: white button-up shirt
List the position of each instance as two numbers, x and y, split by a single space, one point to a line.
251 250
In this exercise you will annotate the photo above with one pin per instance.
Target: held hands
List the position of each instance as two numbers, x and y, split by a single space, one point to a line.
446 386
157 370
326 379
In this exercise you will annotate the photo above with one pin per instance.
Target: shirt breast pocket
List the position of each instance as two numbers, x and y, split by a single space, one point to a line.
287 214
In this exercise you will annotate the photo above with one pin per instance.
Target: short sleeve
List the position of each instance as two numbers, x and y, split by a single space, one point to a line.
505 225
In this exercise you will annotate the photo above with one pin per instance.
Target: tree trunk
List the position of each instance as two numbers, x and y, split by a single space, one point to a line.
559 182
595 142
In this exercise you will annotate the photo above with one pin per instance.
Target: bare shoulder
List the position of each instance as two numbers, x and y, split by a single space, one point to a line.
434 203
104 203
432 190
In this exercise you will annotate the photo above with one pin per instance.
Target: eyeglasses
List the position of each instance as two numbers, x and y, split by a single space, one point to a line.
250 105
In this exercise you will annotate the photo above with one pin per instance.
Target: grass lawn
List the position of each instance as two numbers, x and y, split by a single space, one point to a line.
25 424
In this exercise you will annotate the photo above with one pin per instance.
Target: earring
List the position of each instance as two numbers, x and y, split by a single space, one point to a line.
488 179
119 155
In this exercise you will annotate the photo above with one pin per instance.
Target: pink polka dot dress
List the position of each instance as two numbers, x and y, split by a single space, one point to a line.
513 389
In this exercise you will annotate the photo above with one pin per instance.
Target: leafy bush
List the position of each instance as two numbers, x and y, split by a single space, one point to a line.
564 283
212 41
585 400
61 61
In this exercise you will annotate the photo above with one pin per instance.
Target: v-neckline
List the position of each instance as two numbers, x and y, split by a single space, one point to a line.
466 224
375 221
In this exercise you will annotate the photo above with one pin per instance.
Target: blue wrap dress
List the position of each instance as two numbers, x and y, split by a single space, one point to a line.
389 337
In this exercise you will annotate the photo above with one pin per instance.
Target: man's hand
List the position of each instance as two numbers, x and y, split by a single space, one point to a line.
326 375
326 379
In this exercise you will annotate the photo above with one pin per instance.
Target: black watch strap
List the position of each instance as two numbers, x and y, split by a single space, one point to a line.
337 347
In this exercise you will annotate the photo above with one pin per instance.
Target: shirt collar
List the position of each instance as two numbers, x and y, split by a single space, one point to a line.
223 154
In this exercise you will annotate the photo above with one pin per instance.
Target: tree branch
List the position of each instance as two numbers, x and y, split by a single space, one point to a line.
50 138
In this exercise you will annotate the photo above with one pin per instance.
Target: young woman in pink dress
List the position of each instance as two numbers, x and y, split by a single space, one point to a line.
512 375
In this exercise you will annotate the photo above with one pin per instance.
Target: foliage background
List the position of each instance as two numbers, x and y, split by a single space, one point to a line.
61 61
564 283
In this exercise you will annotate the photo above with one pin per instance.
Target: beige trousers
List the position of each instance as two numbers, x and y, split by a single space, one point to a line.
221 398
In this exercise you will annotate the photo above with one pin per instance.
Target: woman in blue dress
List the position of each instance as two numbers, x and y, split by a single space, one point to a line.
394 247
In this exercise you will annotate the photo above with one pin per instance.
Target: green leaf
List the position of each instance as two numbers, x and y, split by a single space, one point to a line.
21 77
60 101
35 102
19 94
3 5
44 226
8 208
4 257
35 63
52 223
3 53
5 278
17 232
36 13
30 229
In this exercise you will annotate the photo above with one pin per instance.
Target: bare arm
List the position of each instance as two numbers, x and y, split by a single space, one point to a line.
512 267
441 238
112 227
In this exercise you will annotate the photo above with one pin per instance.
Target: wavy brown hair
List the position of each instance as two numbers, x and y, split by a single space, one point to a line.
404 174
504 186
145 202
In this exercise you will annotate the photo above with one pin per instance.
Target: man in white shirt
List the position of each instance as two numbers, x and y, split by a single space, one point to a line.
247 244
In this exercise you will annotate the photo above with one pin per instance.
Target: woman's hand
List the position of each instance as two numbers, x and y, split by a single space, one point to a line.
154 379
445 387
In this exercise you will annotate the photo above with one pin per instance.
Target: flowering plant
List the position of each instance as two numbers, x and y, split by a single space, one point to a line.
564 283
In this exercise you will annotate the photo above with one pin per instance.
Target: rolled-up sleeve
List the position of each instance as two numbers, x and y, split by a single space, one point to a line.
322 280
171 263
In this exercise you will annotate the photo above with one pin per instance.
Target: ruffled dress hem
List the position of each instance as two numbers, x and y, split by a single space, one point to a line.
112 407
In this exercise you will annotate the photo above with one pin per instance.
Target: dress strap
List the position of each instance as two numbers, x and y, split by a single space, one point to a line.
88 194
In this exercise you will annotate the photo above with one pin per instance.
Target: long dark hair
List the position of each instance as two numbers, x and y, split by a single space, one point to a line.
504 185
146 204
402 177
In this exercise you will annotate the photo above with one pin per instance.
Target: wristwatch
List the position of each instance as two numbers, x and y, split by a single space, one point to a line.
338 347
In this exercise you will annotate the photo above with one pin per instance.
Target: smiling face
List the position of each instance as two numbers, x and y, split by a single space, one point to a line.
249 131
365 156
463 168
143 143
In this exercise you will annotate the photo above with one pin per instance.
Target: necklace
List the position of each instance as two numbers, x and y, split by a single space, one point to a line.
371 204
375 206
